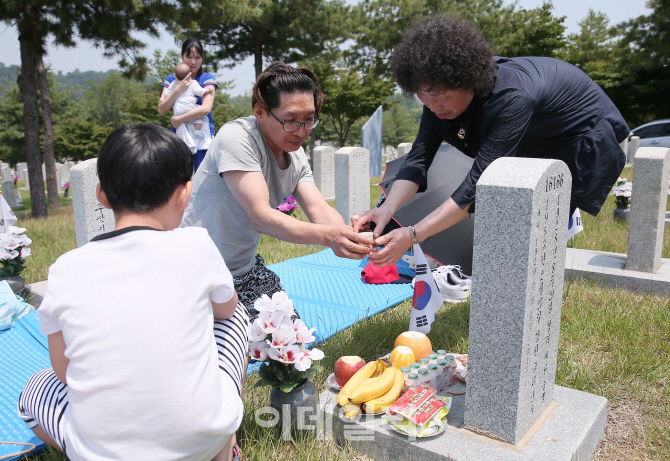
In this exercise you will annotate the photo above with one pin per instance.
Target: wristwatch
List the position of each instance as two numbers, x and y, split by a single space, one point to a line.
412 233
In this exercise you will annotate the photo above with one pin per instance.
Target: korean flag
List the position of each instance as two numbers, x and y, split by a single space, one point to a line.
427 298
575 226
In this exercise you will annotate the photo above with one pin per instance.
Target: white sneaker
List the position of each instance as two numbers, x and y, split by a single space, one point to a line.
452 289
457 276
198 134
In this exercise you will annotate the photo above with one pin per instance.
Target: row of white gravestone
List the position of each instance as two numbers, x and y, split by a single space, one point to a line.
325 171
350 184
62 173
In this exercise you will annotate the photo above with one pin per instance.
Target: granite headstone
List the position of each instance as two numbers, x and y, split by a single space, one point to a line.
324 171
517 288
90 217
646 223
352 181
9 193
26 180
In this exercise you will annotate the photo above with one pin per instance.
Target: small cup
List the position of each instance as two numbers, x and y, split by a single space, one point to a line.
369 235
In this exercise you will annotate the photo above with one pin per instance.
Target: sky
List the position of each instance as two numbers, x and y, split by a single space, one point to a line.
85 57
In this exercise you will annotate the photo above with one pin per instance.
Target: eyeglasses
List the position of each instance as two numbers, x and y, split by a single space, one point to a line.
290 126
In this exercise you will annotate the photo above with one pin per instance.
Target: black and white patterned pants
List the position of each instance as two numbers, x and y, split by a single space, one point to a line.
44 401
257 282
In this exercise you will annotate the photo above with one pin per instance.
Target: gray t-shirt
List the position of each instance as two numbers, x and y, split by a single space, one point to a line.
239 146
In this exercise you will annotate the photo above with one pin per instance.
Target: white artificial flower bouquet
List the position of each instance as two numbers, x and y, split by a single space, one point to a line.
622 191
282 344
13 249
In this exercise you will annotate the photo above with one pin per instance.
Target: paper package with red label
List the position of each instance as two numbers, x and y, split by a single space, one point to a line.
406 405
420 412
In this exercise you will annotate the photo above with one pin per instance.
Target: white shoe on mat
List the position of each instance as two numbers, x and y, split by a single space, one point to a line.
453 290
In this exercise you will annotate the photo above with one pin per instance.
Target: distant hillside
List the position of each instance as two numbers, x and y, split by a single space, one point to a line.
75 80
78 81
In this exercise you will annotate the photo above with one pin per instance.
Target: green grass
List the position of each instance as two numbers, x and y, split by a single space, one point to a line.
613 343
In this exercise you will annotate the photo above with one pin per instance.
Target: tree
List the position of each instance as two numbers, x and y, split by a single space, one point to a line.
401 122
286 30
106 23
80 139
534 32
12 142
350 95
107 101
593 51
594 42
379 25
49 161
642 59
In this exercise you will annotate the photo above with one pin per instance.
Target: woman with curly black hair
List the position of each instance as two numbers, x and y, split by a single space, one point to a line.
490 107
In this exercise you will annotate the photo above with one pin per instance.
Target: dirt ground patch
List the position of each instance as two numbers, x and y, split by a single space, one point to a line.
624 437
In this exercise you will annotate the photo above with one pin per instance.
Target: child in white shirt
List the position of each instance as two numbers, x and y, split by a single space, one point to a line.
191 130
132 317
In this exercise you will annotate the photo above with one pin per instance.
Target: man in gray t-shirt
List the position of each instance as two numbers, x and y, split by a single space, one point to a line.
236 190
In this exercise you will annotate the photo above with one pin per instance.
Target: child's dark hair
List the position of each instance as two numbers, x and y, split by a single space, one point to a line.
193 44
140 167
279 78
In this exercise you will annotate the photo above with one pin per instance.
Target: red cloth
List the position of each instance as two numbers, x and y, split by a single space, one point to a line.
375 275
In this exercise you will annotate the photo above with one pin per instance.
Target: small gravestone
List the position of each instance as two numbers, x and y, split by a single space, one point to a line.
9 193
65 172
90 217
646 223
352 181
633 146
59 174
404 148
624 147
19 171
26 180
324 171
517 288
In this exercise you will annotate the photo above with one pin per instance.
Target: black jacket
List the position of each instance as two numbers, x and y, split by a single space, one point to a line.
539 108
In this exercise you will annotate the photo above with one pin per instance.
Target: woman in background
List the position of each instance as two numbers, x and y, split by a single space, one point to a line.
192 55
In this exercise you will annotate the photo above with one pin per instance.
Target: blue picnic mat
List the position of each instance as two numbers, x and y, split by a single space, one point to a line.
328 293
23 351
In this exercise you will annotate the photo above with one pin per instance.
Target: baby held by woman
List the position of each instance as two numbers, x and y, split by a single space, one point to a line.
191 131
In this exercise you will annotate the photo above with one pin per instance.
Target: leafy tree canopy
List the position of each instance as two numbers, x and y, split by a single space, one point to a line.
284 30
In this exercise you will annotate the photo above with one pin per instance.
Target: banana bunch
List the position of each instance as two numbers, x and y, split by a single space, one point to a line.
375 387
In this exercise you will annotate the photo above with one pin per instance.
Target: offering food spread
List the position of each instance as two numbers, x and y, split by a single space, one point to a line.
404 386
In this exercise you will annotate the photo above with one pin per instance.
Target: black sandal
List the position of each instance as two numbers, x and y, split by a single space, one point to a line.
236 453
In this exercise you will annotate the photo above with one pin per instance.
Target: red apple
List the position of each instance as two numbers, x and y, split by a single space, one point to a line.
346 367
